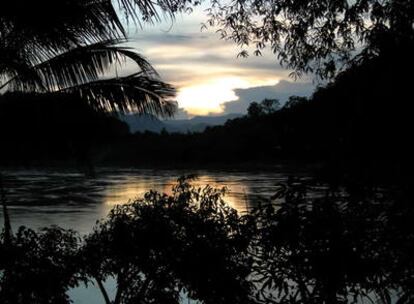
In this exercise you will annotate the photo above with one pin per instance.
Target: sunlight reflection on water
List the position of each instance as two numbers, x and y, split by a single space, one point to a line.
136 186
43 198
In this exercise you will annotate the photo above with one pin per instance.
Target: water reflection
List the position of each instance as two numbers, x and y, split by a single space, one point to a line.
134 187
43 198
68 199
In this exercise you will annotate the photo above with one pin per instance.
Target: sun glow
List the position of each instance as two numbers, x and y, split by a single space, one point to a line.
209 97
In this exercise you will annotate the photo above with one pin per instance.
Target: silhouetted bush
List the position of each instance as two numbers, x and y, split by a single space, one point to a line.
309 243
162 246
323 245
39 267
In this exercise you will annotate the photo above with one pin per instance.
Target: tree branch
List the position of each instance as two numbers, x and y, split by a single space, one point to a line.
103 291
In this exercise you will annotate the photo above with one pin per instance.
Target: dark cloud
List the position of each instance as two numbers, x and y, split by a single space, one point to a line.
280 91
181 114
168 38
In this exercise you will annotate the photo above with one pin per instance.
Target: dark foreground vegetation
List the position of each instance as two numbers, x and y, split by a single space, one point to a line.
309 243
45 129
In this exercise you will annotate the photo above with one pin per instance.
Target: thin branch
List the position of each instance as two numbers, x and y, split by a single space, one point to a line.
103 291
7 225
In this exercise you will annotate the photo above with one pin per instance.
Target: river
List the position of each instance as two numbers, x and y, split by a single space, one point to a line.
69 199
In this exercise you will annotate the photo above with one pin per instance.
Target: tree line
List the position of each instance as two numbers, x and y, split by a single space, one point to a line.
361 116
362 119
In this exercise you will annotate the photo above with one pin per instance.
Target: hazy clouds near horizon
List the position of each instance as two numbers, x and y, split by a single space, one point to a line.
210 79
281 91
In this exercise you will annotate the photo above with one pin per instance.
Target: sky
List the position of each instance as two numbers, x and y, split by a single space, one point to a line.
209 77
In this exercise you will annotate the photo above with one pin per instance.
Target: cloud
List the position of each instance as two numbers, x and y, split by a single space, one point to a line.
206 71
161 37
194 58
280 91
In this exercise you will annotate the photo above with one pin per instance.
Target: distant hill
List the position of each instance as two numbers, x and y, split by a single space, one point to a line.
142 123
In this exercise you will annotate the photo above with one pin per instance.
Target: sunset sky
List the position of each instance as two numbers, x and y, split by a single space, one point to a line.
206 71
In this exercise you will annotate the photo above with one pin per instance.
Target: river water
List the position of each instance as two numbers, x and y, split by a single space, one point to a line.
66 198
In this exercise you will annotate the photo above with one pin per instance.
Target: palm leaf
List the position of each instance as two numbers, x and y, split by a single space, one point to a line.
135 93
69 45
13 63
77 67
57 26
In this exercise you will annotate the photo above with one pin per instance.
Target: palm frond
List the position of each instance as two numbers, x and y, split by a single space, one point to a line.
13 63
68 46
77 67
137 93
58 26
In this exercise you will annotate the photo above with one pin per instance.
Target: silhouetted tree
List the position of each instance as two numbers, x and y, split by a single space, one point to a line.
270 105
38 267
332 245
161 247
295 101
68 46
317 36
54 128
265 107
254 109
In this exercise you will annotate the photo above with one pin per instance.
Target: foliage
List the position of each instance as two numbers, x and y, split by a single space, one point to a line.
327 245
294 101
161 247
71 46
38 267
266 106
309 243
52 128
317 36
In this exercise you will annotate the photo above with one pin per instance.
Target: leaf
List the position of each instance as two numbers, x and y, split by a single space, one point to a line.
135 93
77 67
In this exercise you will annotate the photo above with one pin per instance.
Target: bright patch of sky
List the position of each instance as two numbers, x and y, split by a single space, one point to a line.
204 69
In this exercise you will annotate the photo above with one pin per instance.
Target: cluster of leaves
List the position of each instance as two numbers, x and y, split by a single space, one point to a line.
265 107
307 244
158 249
327 245
39 267
315 36
163 246
48 46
